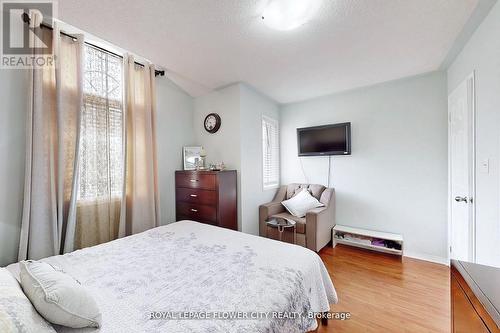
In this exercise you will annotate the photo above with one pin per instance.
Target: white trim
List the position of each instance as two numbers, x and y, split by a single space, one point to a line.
472 78
427 257
448 115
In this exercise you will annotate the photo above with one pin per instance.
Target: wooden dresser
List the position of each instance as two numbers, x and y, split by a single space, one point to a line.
207 196
475 291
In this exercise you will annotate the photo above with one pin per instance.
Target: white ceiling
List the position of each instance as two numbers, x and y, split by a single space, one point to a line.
212 43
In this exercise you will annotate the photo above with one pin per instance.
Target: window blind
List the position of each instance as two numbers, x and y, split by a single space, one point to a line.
270 153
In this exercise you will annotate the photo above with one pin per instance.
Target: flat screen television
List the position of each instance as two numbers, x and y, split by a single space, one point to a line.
334 139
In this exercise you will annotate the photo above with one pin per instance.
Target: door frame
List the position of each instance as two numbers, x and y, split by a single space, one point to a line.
469 80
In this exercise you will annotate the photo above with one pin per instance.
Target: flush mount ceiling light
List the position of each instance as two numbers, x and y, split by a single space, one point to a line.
289 14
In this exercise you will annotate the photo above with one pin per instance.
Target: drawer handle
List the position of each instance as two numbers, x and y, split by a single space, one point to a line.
193 180
193 195
194 210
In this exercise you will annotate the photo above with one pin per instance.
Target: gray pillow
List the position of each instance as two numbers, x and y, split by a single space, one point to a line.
17 314
57 296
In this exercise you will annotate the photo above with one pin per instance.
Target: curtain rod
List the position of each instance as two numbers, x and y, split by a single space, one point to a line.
26 19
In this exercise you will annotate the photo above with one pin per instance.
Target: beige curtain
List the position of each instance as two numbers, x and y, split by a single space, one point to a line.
48 222
91 173
141 209
101 172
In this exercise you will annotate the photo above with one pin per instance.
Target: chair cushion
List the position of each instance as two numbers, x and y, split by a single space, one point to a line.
300 221
58 297
314 189
17 314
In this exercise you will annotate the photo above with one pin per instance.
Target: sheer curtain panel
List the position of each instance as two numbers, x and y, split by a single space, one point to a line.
101 171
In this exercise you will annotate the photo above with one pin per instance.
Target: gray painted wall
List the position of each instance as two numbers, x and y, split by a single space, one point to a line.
224 145
482 55
253 106
14 105
238 143
396 178
174 130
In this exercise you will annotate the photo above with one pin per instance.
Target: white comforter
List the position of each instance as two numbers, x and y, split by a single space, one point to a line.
189 266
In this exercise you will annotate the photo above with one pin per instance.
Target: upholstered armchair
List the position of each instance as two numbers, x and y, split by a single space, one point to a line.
314 230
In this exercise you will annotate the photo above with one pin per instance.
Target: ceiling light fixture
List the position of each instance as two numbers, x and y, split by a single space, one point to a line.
289 14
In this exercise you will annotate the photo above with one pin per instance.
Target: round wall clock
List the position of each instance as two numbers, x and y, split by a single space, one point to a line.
212 122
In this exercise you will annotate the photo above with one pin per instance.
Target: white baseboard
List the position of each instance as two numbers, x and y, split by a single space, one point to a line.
427 257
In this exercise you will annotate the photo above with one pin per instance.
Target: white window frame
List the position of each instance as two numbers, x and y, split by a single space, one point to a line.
273 183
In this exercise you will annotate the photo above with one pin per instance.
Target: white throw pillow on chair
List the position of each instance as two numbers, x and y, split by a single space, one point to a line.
301 203
57 296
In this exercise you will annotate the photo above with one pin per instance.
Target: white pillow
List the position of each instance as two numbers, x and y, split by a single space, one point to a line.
57 296
17 314
301 203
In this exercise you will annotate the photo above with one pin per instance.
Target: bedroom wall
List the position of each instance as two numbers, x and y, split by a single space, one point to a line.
396 178
253 106
238 143
223 146
481 54
174 130
13 89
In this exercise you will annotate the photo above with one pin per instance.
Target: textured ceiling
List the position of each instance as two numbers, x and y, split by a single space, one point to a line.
211 43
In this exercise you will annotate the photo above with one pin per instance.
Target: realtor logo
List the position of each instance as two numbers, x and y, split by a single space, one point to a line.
24 43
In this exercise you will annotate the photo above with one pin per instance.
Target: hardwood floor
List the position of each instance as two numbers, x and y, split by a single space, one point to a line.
386 294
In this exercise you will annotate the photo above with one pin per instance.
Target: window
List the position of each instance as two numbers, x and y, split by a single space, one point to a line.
270 153
101 140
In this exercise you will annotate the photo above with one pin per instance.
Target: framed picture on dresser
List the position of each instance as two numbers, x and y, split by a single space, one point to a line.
191 156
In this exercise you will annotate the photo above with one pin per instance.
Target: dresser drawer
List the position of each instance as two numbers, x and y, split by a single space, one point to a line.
197 212
207 196
181 218
196 196
196 180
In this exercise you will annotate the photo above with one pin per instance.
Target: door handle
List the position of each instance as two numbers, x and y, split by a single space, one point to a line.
194 210
193 180
193 195
461 199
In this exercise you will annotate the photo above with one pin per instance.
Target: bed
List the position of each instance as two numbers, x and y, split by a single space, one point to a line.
153 281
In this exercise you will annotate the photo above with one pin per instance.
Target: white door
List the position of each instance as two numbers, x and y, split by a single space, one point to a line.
461 171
